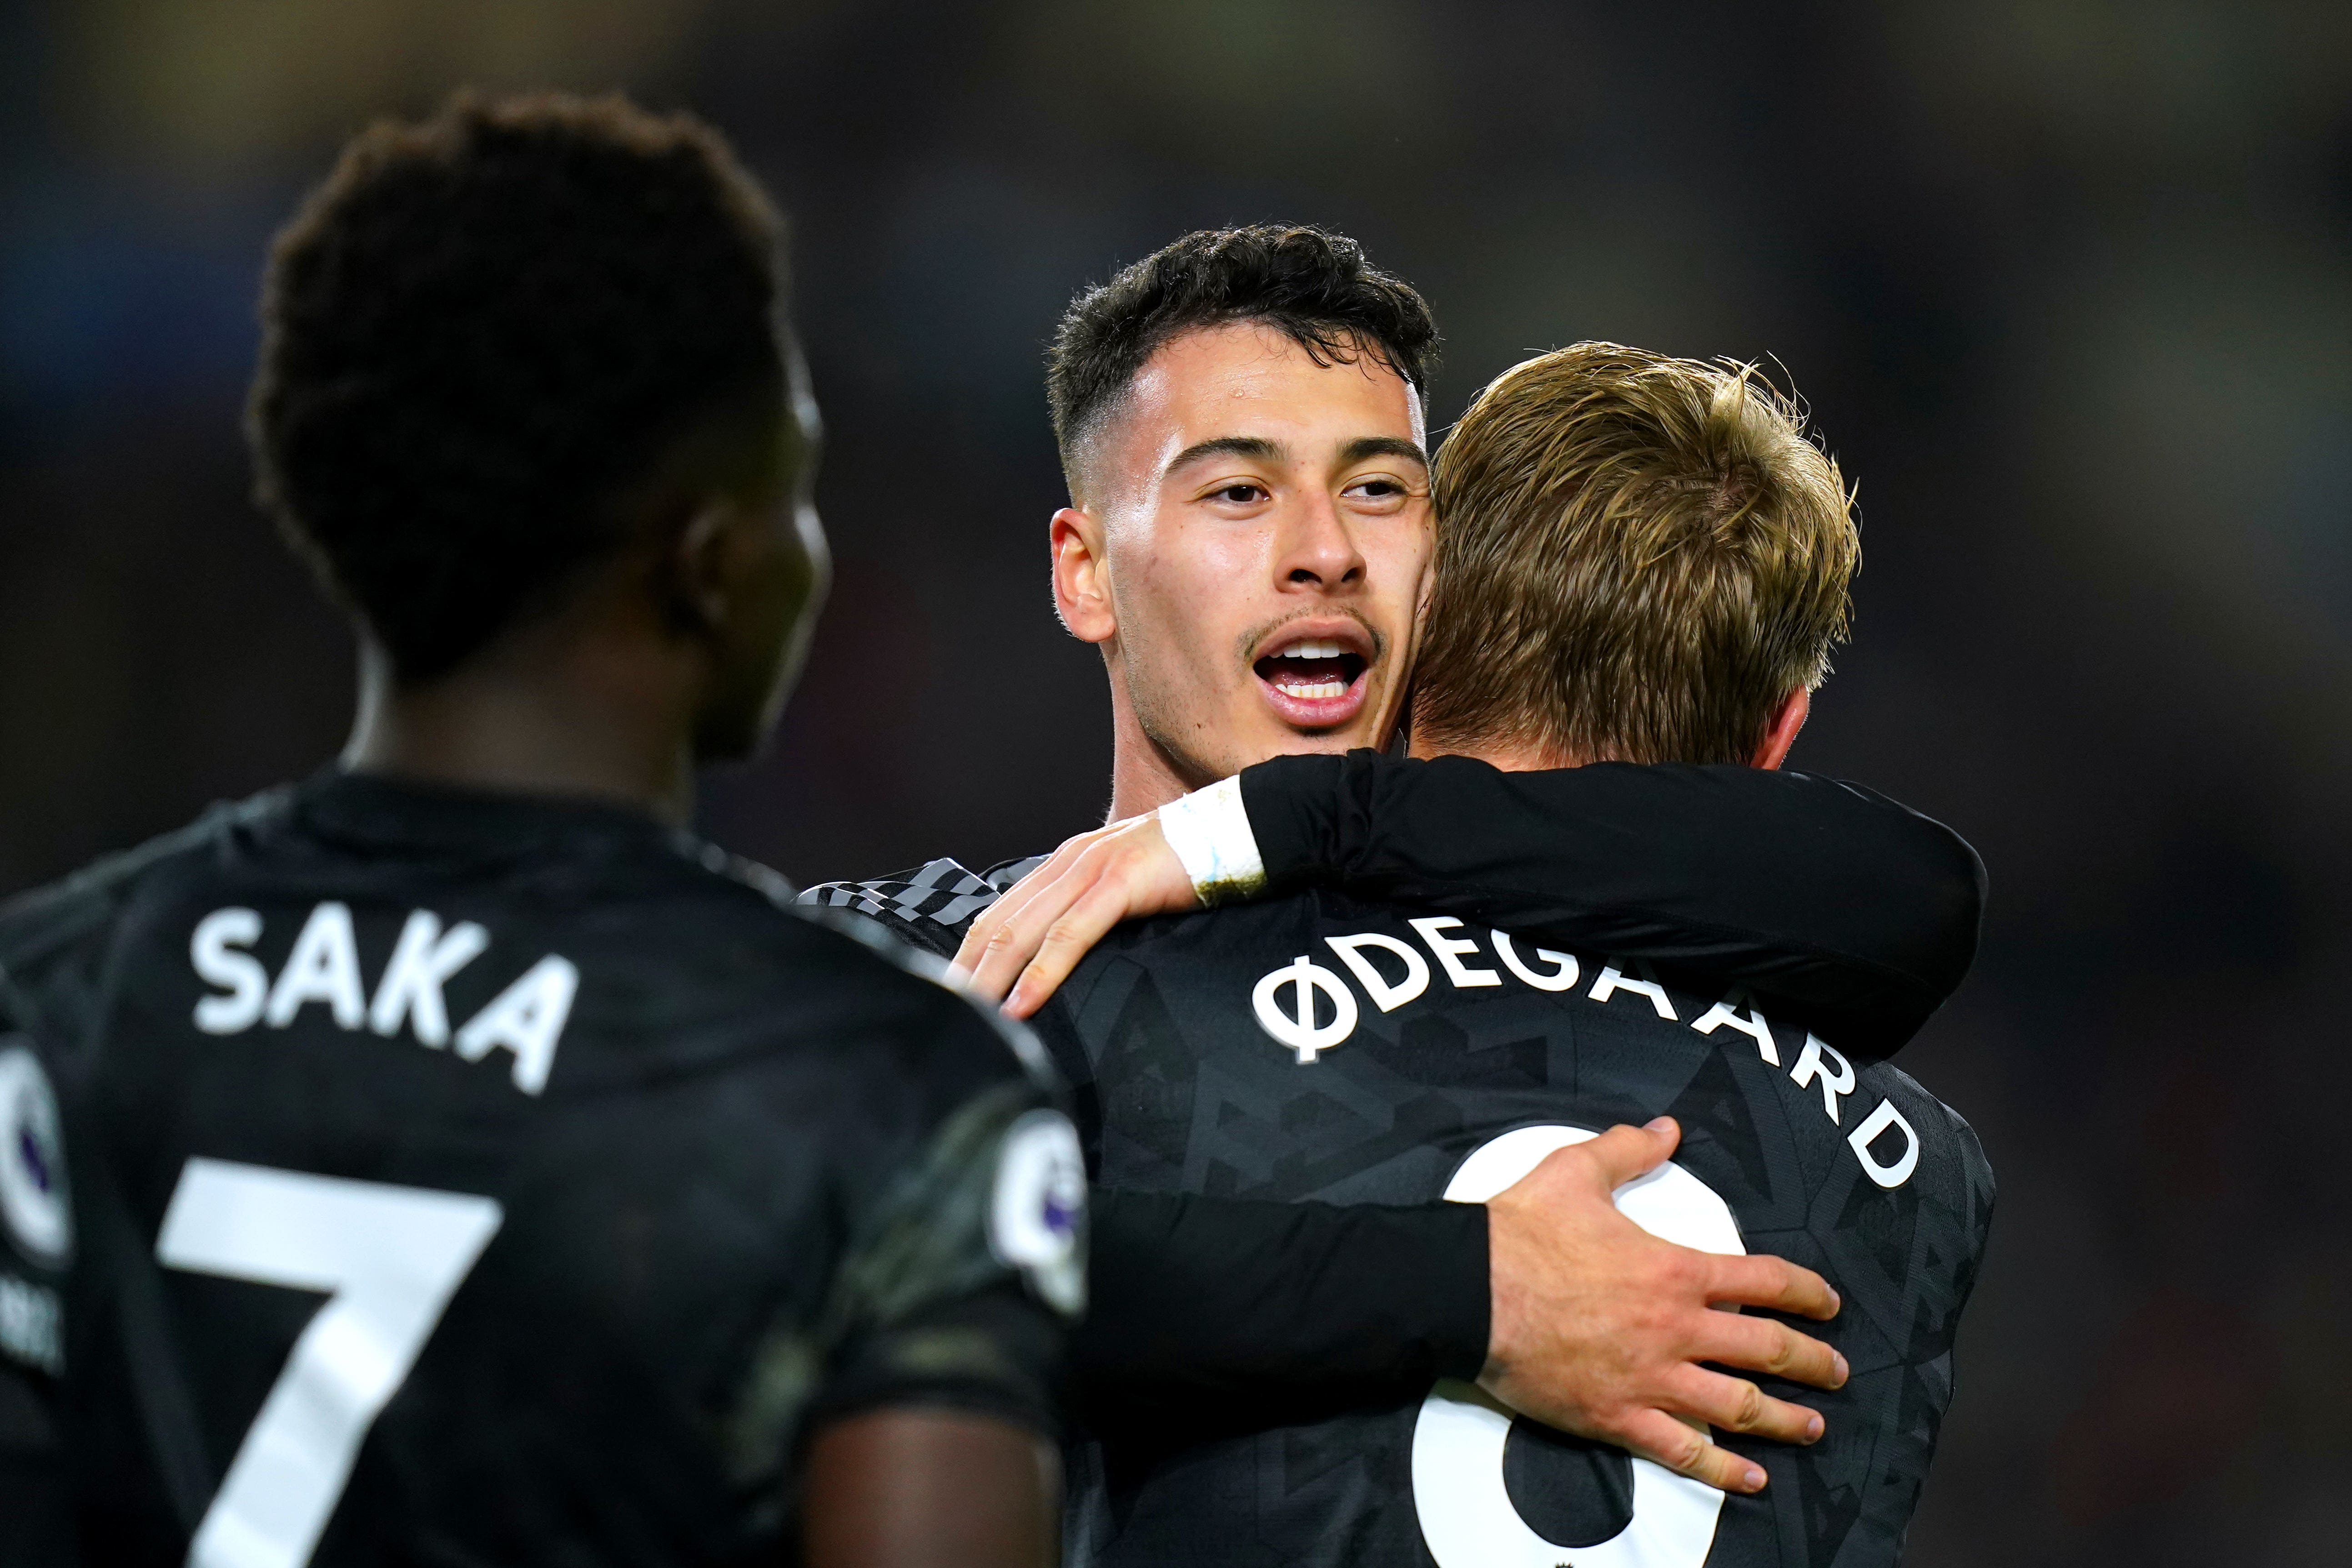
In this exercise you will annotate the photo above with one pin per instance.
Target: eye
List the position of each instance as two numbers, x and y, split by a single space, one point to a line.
1240 492
1380 488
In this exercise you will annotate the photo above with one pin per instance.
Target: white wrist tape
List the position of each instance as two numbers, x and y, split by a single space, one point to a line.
1210 831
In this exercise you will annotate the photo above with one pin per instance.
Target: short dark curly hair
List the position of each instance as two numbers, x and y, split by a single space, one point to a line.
1313 286
485 327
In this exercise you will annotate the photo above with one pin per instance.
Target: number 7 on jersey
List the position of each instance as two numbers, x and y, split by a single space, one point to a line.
391 1256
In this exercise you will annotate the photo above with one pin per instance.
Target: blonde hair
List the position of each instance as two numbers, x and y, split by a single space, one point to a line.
1638 559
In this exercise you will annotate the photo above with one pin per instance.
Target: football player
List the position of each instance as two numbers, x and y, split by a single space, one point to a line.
467 1163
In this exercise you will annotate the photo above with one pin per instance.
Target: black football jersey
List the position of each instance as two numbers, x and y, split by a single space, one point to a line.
459 1178
1317 1047
1854 913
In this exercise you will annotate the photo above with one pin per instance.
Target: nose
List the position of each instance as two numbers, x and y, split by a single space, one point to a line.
1317 548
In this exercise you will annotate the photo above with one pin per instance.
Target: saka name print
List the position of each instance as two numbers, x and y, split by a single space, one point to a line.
1308 1008
526 1019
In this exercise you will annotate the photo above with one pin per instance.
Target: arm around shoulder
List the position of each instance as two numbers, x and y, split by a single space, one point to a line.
1859 912
1213 1305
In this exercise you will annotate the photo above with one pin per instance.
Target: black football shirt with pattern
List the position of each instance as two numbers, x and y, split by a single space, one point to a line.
1319 1048
461 1177
1841 910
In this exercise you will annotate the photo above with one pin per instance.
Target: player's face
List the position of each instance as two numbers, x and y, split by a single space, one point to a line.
780 569
1263 529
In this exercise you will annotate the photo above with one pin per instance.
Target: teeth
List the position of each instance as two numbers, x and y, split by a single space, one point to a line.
1314 650
1319 688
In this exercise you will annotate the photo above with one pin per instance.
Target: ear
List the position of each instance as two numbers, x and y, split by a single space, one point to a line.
1782 733
700 568
1082 576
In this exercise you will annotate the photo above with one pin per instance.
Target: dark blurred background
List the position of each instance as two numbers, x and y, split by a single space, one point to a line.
2067 282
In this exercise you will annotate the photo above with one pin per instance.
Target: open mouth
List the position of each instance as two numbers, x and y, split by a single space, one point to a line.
1311 669
1316 677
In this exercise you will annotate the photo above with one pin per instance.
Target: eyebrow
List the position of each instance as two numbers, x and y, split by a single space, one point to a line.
1258 448
1252 446
1365 446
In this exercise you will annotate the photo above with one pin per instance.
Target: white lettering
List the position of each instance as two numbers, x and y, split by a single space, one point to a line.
1297 1029
1810 1066
1449 950
1612 982
323 967
1388 998
528 1019
421 963
213 950
1564 973
1882 1119
1753 1026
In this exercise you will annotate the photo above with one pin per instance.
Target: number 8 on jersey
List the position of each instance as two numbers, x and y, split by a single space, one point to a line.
1467 1518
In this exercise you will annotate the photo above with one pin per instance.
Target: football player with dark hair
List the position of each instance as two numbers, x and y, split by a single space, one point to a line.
467 1163
1248 540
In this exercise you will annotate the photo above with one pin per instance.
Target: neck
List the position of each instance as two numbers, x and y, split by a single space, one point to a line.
1517 756
1143 777
535 717
1510 756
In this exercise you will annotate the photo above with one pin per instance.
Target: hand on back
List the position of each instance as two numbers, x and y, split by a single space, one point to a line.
1599 1328
1028 942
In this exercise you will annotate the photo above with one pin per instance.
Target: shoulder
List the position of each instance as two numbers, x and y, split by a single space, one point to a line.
870 965
106 883
1982 1185
1971 1187
838 924
1949 1122
43 931
921 975
928 906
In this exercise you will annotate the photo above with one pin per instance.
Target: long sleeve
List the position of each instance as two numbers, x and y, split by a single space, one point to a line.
1853 913
1231 1304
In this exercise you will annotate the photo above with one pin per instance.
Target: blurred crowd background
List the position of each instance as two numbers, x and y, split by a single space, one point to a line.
2068 284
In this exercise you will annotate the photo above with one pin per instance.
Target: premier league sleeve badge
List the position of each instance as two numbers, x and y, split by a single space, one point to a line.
1036 1220
34 1205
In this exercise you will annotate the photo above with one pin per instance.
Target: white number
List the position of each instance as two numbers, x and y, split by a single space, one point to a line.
392 1257
1466 1515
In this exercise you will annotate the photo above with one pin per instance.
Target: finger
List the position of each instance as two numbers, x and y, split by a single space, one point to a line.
965 967
1125 874
981 945
1067 941
1008 906
1760 1280
1624 1152
1760 1345
991 919
1035 902
1027 936
1736 1404
995 958
1658 1436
